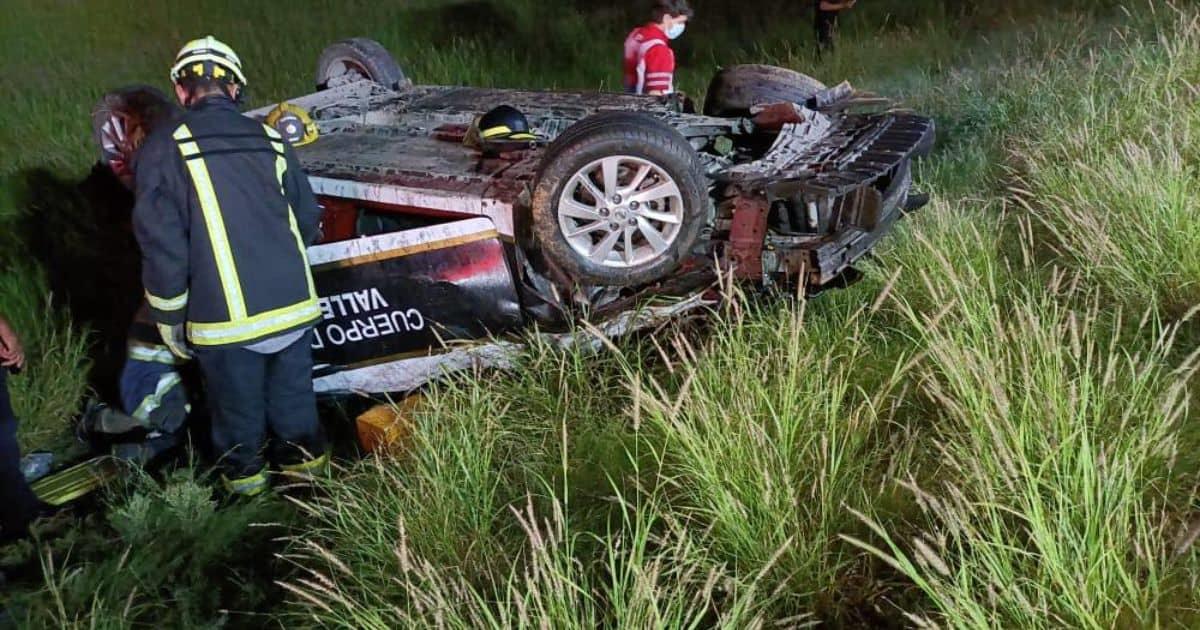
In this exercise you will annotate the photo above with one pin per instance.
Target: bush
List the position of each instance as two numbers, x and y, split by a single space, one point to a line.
168 556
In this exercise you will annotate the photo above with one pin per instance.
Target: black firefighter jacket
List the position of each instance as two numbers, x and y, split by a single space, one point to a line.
223 216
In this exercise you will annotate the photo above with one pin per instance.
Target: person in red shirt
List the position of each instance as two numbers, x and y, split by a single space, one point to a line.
649 60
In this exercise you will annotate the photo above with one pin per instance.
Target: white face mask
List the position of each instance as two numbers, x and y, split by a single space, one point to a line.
675 30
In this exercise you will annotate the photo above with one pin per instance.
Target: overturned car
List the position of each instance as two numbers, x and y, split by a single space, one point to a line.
622 210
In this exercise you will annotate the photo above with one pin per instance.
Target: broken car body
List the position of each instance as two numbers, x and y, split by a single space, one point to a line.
434 246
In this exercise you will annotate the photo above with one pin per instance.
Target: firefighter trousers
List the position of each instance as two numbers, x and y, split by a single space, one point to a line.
17 503
256 397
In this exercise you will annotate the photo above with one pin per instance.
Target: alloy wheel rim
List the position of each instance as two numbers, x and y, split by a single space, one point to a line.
620 211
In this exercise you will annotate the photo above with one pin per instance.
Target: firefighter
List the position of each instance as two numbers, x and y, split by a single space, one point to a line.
825 21
223 217
649 60
19 505
154 402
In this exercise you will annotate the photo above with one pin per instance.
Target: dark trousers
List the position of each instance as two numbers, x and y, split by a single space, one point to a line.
255 397
17 502
825 23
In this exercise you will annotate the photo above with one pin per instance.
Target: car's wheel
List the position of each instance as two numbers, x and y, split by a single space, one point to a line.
356 59
619 200
734 90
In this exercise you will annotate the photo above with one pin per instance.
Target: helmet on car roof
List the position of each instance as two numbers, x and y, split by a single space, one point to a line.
504 123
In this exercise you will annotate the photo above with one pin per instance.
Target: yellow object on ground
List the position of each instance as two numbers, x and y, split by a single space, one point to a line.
389 428
77 481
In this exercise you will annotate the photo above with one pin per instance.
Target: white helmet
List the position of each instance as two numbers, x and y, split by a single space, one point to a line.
208 58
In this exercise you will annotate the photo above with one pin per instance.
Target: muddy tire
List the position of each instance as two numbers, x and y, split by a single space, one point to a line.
734 90
355 59
619 200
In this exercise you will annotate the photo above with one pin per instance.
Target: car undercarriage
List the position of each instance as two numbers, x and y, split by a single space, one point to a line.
435 247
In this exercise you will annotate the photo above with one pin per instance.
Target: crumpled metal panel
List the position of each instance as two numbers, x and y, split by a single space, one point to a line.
796 149
834 156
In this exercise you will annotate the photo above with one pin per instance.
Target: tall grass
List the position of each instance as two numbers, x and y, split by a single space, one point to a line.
777 422
1111 173
480 525
47 393
1055 441
643 572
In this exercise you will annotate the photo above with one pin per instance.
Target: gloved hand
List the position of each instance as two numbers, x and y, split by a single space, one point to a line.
176 340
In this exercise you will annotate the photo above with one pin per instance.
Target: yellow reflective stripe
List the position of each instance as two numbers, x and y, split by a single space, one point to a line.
495 131
280 169
187 148
167 304
152 354
247 486
215 223
319 464
165 383
258 326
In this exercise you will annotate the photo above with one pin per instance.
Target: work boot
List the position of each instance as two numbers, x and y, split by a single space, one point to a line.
250 486
307 470
99 418
301 480
146 452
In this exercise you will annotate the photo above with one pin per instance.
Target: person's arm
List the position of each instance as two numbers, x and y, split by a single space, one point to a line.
12 355
160 223
660 70
300 195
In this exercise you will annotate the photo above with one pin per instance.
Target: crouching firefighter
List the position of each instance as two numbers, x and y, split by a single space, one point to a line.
223 217
153 398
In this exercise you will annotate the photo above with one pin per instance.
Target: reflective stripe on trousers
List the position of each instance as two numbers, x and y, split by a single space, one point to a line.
152 401
247 486
316 466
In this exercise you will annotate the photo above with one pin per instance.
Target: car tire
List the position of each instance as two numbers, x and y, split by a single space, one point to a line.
654 205
734 90
358 58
